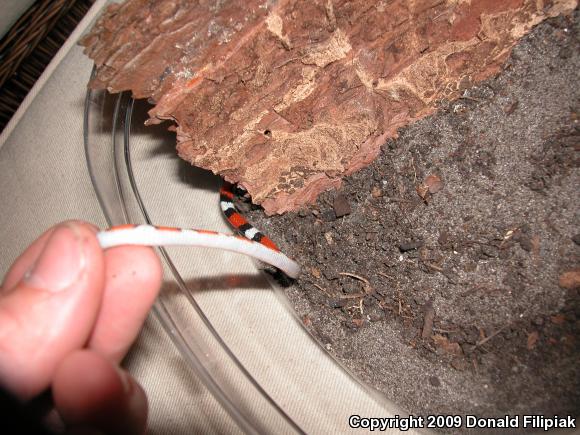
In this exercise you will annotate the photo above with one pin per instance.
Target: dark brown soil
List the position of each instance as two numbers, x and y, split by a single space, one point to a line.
433 275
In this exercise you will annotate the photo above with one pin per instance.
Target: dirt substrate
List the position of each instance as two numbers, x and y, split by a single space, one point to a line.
438 274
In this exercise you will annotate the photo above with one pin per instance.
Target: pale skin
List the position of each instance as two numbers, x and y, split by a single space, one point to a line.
69 311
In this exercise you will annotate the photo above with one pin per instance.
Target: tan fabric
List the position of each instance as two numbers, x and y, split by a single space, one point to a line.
10 11
44 180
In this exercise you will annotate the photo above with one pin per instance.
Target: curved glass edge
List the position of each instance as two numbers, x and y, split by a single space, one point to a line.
103 119
183 287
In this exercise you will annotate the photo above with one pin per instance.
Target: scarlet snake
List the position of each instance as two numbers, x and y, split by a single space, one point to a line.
252 242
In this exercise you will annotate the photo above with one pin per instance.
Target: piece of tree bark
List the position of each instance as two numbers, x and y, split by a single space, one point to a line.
287 97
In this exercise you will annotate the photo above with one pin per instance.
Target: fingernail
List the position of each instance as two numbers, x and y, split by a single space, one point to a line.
60 262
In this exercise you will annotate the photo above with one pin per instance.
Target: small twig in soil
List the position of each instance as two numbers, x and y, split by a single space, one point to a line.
429 348
434 267
367 287
353 296
385 275
486 339
445 331
322 289
414 168
508 235
352 275
472 290
475 365
385 306
428 321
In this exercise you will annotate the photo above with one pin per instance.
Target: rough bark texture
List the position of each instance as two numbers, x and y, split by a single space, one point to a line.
287 97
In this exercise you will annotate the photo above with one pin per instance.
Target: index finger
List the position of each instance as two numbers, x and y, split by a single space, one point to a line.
133 276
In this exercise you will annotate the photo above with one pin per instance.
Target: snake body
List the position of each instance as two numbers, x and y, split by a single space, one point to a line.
252 242
238 221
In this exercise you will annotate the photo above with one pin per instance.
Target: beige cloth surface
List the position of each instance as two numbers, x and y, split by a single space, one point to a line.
44 180
10 11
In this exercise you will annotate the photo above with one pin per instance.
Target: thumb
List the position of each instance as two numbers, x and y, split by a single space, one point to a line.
51 310
89 391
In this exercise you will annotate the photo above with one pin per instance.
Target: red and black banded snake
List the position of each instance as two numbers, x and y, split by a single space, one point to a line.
252 242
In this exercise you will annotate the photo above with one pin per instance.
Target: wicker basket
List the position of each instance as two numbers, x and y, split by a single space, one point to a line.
29 46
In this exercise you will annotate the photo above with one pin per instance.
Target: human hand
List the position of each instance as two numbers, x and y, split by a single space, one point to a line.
69 312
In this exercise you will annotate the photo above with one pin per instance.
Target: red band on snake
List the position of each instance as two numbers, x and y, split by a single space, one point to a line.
238 221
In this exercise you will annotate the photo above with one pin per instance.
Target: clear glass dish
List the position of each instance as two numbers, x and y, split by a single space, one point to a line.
235 329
